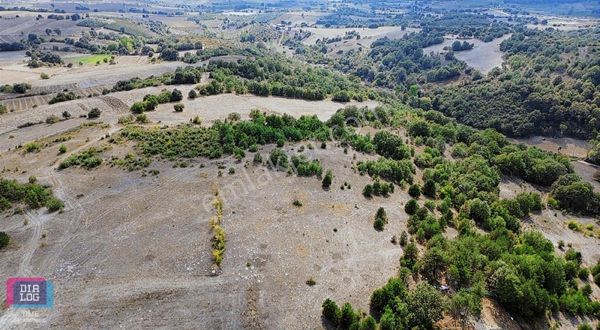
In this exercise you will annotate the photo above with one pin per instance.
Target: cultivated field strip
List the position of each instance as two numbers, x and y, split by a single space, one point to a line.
28 102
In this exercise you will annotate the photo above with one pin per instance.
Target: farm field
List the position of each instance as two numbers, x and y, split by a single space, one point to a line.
90 59
484 56
367 35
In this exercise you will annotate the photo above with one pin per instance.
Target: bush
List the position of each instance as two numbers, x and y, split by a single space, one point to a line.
196 120
257 158
326 183
44 75
52 119
429 188
142 118
31 193
62 97
87 159
279 159
138 107
176 95
583 274
403 238
414 191
32 147
368 191
54 204
380 219
178 107
192 94
4 239
331 312
94 113
62 149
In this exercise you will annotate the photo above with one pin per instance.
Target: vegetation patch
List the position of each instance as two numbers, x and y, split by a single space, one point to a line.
32 194
87 159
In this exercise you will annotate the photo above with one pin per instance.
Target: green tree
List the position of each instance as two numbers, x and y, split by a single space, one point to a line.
348 316
414 191
411 207
425 306
433 263
429 188
332 312
464 306
410 256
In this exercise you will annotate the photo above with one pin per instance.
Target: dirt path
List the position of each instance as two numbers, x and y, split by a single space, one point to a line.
36 223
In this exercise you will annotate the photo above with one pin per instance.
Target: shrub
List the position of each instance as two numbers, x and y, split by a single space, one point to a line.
54 204
196 120
52 119
429 188
257 158
234 116
178 107
348 316
126 120
583 274
414 191
368 191
411 207
62 149
94 113
138 107
326 183
4 239
32 147
331 312
31 193
44 75
176 95
403 238
87 159
279 159
380 219
63 97
192 94
142 118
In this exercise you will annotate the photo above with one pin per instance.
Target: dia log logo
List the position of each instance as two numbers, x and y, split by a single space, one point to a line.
29 292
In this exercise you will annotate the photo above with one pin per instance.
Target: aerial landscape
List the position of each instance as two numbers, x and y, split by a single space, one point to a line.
308 164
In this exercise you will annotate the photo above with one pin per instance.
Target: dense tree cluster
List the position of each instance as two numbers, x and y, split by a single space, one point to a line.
150 102
20 88
271 76
522 272
39 58
189 141
576 195
549 87
396 171
403 61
